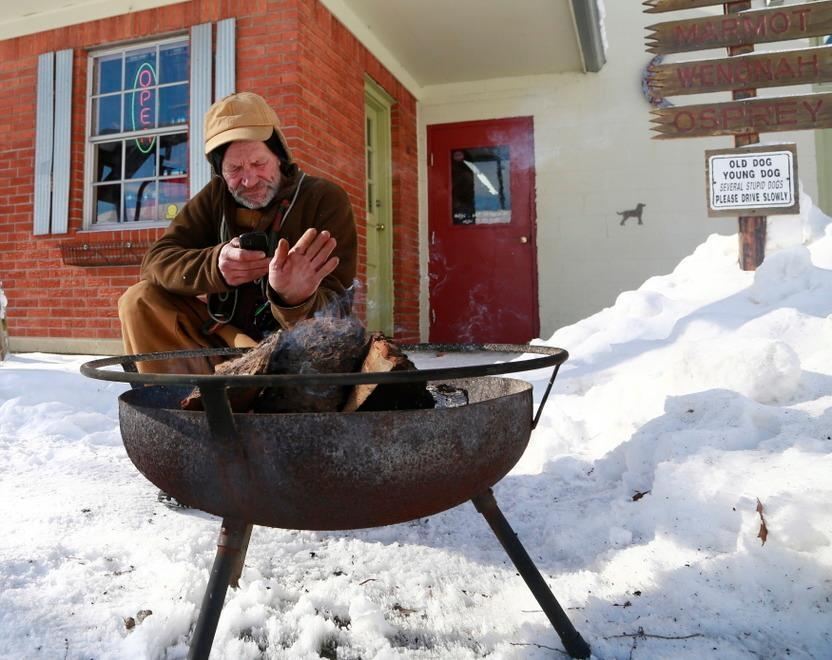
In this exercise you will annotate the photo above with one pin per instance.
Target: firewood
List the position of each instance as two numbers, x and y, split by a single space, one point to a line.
314 346
255 361
321 345
384 355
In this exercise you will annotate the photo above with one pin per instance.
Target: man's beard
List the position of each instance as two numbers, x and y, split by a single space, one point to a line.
271 191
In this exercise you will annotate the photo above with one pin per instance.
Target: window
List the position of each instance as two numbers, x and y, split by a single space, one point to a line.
480 185
138 133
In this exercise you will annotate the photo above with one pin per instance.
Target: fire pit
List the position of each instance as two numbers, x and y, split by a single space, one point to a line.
365 469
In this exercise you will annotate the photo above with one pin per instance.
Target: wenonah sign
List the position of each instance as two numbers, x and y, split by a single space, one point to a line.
807 66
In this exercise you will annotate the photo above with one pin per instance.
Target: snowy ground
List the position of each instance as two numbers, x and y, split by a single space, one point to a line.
693 399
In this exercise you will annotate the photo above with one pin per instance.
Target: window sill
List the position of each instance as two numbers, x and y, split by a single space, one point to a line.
124 226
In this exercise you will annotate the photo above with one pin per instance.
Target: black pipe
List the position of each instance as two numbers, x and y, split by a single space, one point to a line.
571 639
232 537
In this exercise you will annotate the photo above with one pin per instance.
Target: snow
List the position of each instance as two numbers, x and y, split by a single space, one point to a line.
691 402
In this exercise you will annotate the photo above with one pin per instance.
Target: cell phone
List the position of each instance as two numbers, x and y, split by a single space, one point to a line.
255 240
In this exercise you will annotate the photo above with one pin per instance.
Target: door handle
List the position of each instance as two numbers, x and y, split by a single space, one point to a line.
524 239
380 226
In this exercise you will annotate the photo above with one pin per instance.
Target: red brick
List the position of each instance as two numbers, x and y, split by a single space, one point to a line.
291 51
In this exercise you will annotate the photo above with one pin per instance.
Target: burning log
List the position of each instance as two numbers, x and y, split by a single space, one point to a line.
255 361
321 345
383 356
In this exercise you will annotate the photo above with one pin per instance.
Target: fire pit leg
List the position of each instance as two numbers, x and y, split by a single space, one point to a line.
231 547
570 638
237 569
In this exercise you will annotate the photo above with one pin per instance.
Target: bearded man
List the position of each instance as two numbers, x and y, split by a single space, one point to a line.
200 288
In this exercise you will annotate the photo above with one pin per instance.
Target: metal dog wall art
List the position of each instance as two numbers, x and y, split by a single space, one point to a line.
632 213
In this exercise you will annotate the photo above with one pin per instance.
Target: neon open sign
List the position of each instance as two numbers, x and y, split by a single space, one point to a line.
143 105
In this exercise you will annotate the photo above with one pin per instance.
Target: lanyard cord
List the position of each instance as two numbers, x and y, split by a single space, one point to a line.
282 215
264 282
222 317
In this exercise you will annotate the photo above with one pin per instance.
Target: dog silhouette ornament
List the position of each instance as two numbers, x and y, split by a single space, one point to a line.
632 213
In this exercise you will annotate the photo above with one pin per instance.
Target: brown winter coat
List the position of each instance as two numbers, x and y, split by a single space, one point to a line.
185 259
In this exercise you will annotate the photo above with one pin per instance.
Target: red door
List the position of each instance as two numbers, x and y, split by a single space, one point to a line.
481 226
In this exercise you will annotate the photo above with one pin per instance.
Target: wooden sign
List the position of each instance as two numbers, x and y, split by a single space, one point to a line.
773 69
755 115
746 27
755 181
745 117
659 6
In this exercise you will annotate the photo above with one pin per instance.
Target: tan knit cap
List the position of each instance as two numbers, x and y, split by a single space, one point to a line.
241 116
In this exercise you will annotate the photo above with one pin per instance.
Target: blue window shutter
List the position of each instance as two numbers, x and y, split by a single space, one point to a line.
44 143
199 170
226 59
62 138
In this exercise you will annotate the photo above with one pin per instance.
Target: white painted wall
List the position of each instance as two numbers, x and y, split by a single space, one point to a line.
594 157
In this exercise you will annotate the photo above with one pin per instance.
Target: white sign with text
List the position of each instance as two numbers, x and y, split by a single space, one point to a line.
754 180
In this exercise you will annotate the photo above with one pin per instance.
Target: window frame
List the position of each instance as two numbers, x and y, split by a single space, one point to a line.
90 140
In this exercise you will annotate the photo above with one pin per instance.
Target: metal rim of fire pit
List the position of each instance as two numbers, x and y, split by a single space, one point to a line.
549 356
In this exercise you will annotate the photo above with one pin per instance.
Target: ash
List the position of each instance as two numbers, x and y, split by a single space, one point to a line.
447 396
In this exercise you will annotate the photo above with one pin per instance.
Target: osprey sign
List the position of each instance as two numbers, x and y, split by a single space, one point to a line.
755 181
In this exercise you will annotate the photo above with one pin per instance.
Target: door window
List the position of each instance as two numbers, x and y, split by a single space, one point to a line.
480 185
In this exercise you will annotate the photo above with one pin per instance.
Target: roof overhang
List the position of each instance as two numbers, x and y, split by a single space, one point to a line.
423 43
441 42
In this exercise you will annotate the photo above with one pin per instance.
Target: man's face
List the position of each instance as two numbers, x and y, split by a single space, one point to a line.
251 172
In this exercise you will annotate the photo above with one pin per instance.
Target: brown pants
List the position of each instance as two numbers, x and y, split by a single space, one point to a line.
154 319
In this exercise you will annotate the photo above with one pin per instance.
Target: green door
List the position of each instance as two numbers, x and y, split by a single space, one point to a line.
379 195
823 149
823 154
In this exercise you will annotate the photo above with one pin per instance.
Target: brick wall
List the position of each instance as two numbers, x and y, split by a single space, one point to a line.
294 53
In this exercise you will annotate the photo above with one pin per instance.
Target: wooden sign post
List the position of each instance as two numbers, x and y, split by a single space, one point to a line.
741 73
752 229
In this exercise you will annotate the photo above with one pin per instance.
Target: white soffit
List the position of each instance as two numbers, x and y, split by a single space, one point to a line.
29 16
450 41
422 42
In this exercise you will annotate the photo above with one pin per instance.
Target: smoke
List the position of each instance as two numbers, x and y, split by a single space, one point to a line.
339 305
479 319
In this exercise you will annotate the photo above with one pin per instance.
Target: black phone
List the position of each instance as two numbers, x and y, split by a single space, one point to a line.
255 240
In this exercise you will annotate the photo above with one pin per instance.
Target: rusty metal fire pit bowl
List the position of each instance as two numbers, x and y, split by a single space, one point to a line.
333 471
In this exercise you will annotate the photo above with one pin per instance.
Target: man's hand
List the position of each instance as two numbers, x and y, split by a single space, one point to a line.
239 266
296 273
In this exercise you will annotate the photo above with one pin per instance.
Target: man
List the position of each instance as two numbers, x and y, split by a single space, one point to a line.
199 288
